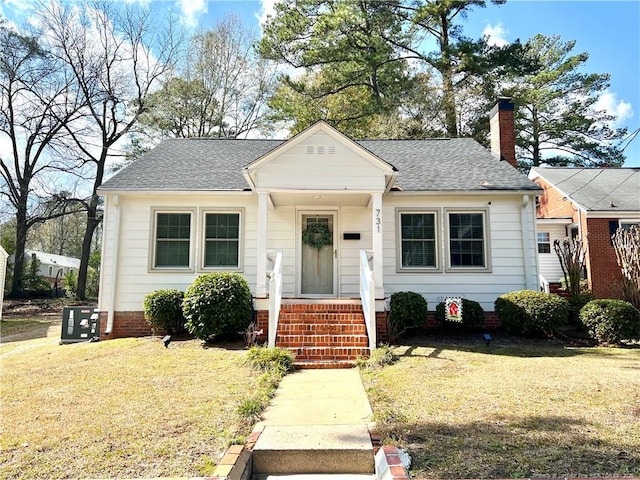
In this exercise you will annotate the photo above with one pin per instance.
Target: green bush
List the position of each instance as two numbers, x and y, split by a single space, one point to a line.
163 311
379 358
406 310
472 315
270 359
610 321
217 304
576 302
531 313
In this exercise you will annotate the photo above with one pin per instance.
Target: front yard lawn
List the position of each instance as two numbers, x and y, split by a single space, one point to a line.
512 409
119 408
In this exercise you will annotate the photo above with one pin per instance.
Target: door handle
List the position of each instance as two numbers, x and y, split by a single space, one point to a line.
335 253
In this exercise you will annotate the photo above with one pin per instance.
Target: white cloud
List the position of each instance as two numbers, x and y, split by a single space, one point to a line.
496 35
267 7
191 9
609 102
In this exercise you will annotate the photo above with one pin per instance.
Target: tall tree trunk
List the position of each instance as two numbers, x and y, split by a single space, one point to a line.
21 242
449 100
92 223
535 137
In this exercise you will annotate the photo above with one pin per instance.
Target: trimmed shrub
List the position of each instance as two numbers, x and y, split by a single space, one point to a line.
531 313
163 311
217 304
578 301
406 310
472 315
610 321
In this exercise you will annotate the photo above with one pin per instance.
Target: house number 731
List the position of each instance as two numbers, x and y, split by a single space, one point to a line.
378 220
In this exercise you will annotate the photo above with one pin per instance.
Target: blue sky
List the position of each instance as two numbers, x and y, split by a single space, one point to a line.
608 30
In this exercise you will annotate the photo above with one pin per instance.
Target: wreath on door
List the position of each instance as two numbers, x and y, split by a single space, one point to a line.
317 235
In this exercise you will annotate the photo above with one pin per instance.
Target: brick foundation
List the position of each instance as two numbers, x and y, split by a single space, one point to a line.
126 324
133 324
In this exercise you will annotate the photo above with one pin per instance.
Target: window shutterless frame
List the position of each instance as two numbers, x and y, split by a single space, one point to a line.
467 240
417 241
544 242
222 240
172 239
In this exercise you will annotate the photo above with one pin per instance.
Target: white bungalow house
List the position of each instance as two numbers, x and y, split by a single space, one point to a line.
441 217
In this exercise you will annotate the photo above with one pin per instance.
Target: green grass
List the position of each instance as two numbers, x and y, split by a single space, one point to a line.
119 408
513 409
34 325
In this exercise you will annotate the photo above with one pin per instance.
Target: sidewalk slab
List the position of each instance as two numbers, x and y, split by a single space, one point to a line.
319 397
313 449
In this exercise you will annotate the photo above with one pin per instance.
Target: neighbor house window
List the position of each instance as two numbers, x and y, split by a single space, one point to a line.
172 240
467 240
221 240
627 224
417 242
544 242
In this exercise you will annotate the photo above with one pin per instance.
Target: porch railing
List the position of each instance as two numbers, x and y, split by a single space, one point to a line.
544 284
368 296
275 297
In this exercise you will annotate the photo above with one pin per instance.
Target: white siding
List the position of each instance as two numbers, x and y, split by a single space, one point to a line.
505 236
312 165
134 279
506 251
550 267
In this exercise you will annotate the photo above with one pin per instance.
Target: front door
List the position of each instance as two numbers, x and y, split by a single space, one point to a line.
318 254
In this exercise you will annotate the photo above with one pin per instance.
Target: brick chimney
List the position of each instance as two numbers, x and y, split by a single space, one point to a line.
503 134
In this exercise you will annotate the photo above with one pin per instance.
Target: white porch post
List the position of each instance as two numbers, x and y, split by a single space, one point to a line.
261 280
376 205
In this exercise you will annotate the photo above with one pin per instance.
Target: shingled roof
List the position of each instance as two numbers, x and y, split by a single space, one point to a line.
458 164
596 189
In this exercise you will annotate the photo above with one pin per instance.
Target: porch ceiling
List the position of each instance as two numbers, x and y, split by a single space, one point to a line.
320 198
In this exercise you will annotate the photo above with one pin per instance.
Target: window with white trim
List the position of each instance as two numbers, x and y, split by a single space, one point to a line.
222 240
417 240
172 240
544 242
627 224
468 247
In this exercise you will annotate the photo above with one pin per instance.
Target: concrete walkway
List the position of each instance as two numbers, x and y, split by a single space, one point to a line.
318 423
319 397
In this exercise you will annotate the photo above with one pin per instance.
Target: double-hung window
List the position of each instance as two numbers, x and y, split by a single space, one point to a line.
468 243
222 240
544 242
172 240
417 241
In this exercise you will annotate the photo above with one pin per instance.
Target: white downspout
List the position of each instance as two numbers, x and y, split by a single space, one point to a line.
525 242
114 270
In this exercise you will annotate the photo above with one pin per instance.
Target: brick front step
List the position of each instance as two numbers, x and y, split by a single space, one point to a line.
321 308
309 328
287 341
326 364
304 354
323 335
321 318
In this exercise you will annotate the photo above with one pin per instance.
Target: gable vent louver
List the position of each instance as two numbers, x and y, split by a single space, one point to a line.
321 150
332 150
309 149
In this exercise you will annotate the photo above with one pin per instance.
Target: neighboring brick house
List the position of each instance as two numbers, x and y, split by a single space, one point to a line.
591 204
